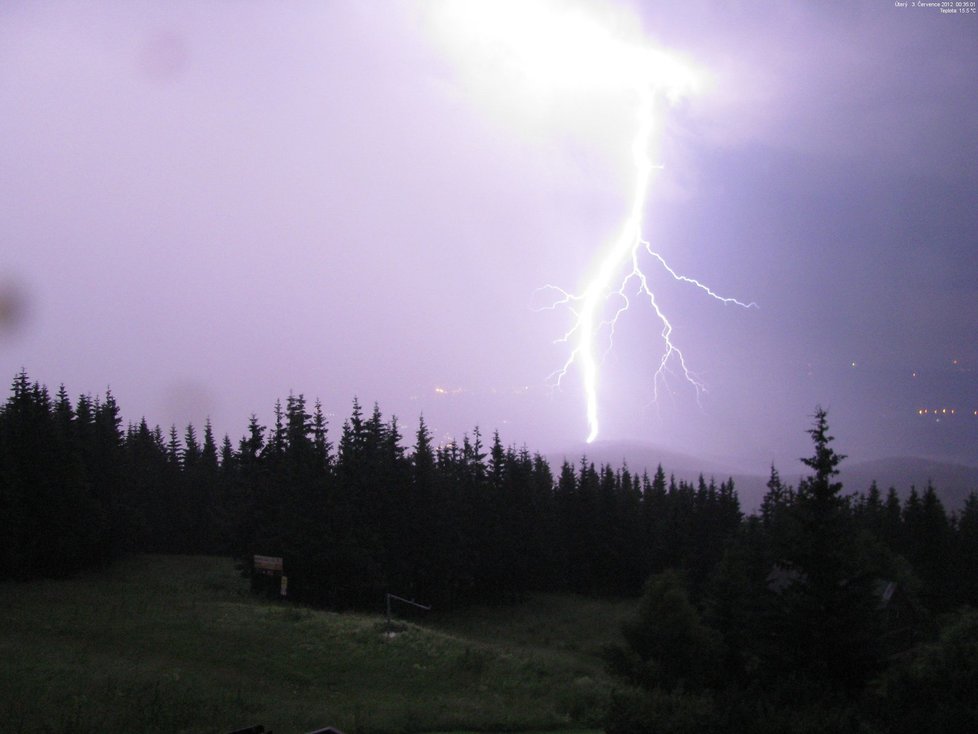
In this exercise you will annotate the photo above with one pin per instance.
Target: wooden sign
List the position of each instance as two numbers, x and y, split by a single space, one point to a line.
268 564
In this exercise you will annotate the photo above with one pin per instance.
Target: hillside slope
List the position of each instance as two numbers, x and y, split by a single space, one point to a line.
165 644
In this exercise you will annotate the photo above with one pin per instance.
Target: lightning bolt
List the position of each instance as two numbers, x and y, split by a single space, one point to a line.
620 273
556 48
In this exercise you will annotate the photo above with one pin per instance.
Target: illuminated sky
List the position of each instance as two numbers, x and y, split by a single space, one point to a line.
206 206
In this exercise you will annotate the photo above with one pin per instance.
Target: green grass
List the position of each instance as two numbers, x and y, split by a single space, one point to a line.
177 644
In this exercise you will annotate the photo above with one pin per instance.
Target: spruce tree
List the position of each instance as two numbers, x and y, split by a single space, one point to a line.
825 623
966 553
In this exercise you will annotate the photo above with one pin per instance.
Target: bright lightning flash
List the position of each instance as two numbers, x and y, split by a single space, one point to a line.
619 272
560 48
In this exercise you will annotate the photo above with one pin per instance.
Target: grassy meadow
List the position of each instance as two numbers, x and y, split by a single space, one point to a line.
178 644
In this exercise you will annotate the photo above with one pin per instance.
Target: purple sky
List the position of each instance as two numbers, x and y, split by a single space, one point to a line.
207 205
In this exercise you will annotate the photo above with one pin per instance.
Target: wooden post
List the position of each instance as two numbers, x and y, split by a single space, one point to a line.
394 597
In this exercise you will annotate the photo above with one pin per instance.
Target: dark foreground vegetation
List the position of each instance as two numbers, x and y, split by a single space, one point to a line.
825 611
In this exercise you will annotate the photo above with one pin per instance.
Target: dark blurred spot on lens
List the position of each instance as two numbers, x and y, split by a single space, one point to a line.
13 306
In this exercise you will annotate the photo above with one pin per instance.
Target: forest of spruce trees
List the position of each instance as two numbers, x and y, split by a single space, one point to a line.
818 591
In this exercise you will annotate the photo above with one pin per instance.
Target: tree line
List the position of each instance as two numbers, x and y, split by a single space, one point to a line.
460 522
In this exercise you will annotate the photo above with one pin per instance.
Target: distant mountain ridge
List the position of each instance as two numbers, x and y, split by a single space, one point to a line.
952 481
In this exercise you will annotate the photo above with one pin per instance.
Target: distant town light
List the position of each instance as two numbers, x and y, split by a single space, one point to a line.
941 411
